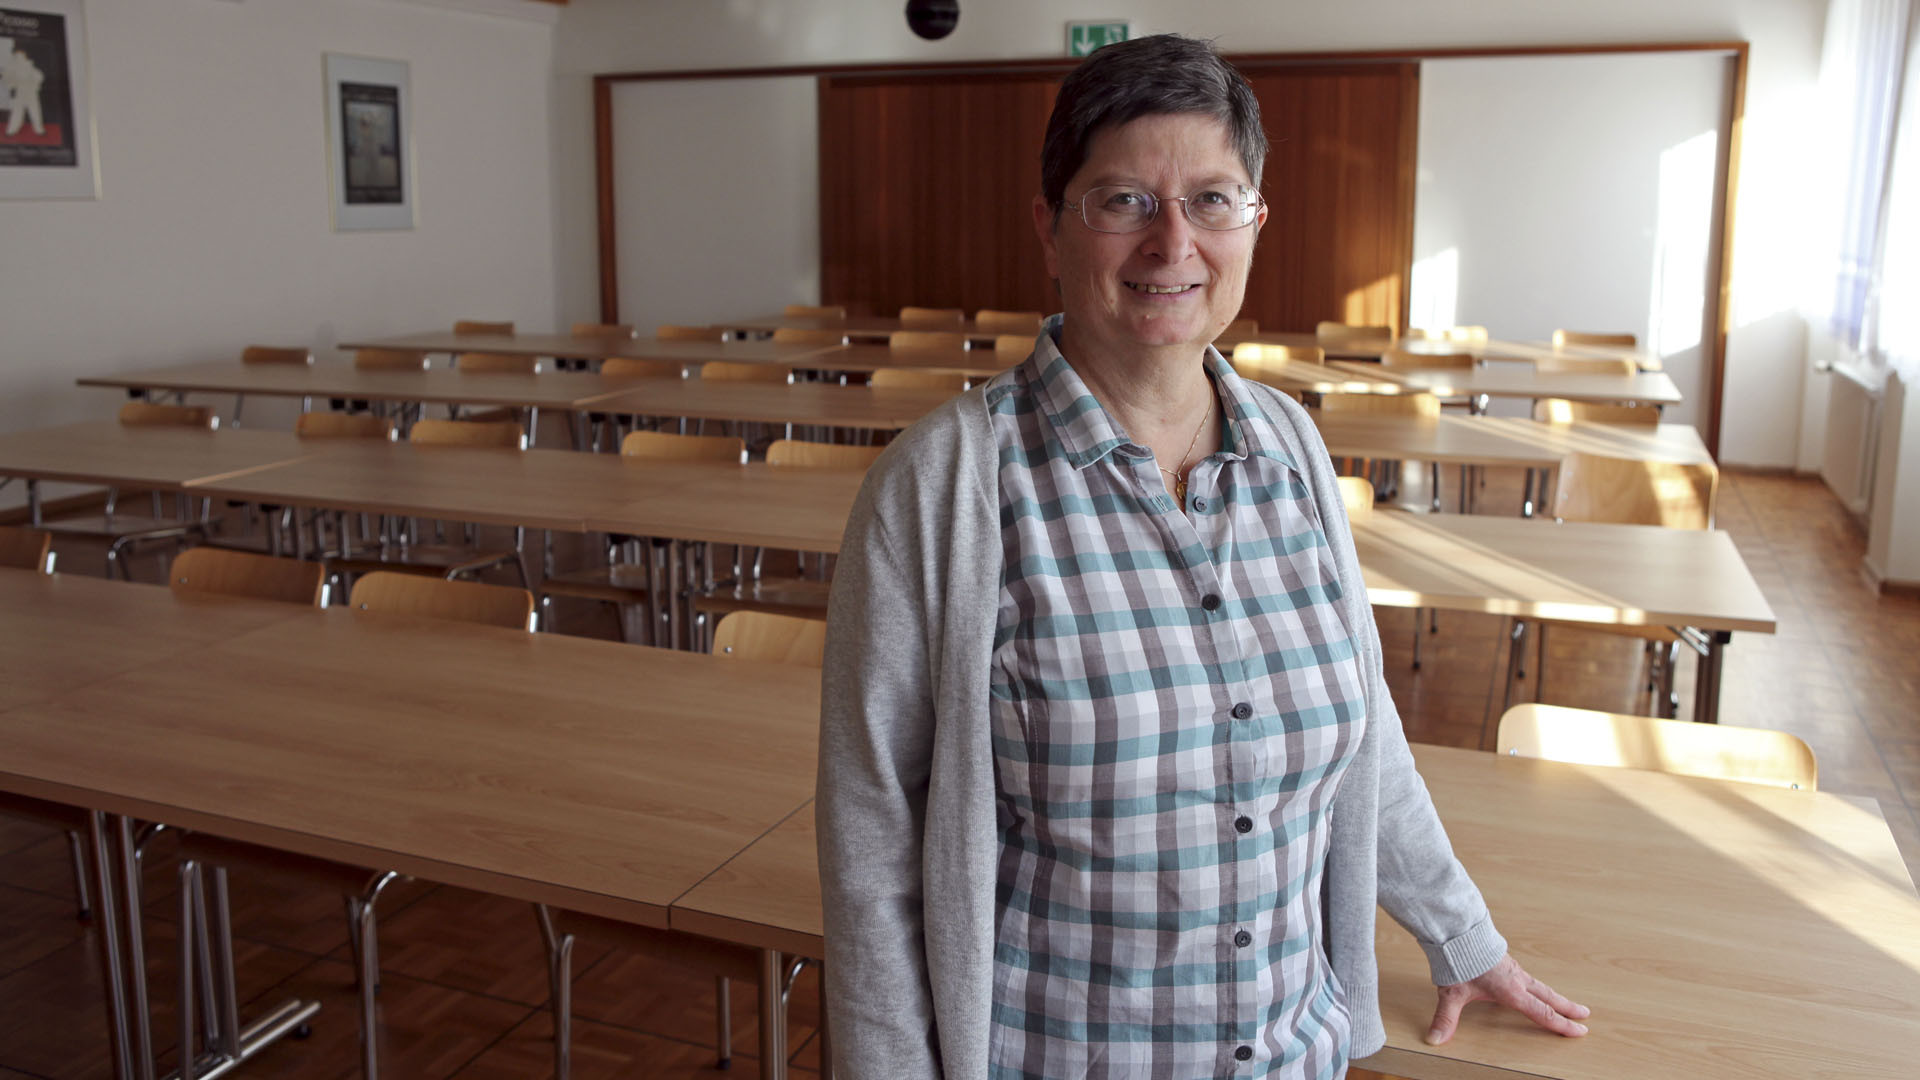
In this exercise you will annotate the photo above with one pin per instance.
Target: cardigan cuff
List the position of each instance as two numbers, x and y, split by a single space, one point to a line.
1468 956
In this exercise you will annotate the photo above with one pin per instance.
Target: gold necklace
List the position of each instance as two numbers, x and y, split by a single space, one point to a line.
1179 477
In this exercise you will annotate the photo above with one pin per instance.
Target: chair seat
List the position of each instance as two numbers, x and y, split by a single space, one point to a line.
804 597
432 560
621 583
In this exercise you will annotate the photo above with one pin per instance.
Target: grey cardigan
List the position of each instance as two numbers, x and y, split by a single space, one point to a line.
906 810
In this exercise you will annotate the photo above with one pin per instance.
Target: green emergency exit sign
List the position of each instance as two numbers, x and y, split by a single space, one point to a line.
1084 37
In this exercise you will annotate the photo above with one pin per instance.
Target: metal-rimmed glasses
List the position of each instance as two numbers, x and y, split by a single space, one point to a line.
1214 207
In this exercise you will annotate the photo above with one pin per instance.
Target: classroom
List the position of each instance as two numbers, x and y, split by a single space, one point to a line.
491 490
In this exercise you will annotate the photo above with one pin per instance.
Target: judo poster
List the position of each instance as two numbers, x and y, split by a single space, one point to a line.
46 132
369 152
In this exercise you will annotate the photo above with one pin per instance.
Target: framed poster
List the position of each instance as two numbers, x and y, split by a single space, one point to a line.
369 147
46 119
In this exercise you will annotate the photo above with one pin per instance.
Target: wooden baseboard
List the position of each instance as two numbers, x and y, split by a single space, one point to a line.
1885 587
82 503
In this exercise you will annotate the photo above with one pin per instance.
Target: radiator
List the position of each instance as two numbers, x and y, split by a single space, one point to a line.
1853 438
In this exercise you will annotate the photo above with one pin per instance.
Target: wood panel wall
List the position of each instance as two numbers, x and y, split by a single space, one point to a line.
926 182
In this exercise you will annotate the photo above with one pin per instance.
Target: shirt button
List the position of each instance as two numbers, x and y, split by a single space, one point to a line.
1242 711
1245 1053
1211 601
1243 939
1243 824
1199 504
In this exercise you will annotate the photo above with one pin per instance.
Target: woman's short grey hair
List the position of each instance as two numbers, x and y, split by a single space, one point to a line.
1165 73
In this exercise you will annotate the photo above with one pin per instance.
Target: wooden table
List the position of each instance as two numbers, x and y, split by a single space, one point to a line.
1635 575
1715 928
857 327
163 459
1644 388
593 347
1534 351
810 403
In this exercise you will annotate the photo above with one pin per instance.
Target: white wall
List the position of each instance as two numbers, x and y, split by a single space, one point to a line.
1767 352
691 159
1571 192
212 227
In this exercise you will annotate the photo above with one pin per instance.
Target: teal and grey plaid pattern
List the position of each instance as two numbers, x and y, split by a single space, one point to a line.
1175 698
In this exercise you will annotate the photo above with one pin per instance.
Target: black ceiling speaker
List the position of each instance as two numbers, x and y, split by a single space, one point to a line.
933 19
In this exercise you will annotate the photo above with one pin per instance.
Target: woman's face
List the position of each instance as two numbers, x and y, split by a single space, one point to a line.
1105 278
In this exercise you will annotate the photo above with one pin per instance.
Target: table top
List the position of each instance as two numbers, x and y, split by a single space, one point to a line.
1636 575
856 327
594 347
828 404
107 452
545 390
1646 387
1534 351
604 777
1453 439
1715 929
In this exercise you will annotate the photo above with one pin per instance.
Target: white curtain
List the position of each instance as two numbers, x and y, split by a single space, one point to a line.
1870 98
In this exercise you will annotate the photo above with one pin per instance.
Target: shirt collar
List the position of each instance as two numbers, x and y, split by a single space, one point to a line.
1087 433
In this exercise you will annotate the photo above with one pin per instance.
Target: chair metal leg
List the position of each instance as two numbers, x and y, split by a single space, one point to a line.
722 1022
129 851
82 909
773 1033
189 882
1416 639
560 990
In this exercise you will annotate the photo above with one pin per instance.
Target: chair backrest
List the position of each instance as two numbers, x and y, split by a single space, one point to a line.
635 367
927 318
147 414
221 572
666 446
793 453
723 371
1591 337
1555 410
1356 494
600 329
506 434
1339 333
339 425
1421 361
670 332
770 638
1012 348
1258 353
1721 751
1459 335
988 321
274 354
481 363
1624 491
389 360
474 326
909 379
929 339
1239 330
26 549
814 311
1584 365
386 592
1396 404
788 335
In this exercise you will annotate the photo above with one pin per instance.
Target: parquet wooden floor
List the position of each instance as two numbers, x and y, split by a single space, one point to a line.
463 986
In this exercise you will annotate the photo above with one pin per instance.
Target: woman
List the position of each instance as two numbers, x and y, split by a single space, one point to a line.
1110 780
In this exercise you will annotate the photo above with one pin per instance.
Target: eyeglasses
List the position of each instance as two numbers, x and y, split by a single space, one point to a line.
1215 207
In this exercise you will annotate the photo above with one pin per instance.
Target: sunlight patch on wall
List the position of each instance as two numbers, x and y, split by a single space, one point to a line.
1683 228
1435 300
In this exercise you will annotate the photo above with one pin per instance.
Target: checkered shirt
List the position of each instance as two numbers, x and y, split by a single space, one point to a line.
1175 698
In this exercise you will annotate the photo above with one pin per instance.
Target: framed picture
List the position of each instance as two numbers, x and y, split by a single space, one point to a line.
369 147
46 119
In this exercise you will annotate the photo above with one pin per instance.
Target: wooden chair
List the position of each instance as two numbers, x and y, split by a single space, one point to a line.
121 531
1459 335
1338 334
814 311
1418 405
398 550
215 571
1562 411
909 379
987 321
332 425
1238 331
632 367
1626 492
1719 751
671 332
387 593
636 578
26 549
604 330
389 360
745 635
793 453
1356 494
1403 360
1582 365
922 318
1590 337
473 326
728 371
930 339
1010 349
788 335
475 363
1254 352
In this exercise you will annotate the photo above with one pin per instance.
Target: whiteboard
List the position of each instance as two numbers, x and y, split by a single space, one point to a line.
1576 192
